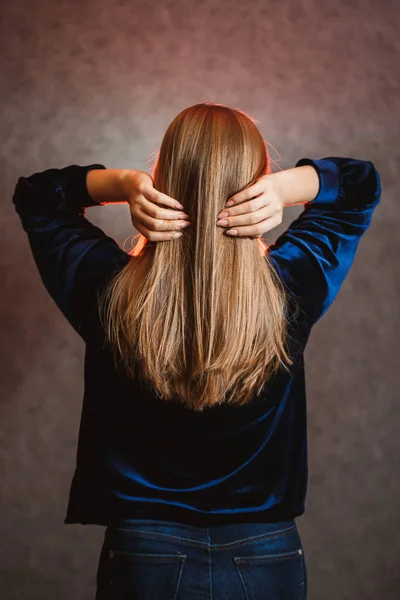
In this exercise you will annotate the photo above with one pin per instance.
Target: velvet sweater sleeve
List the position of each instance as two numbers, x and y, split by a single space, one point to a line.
315 253
73 256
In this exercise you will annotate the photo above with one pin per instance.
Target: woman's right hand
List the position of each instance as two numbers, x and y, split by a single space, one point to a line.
262 212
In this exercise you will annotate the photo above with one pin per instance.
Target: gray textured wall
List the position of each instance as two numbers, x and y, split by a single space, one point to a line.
99 82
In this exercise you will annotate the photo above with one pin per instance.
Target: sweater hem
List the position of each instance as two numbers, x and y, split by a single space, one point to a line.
179 515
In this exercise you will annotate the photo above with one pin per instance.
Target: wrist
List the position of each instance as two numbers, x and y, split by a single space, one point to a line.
106 186
124 182
298 185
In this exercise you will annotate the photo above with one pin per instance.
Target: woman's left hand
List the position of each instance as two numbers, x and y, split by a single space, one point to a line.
155 223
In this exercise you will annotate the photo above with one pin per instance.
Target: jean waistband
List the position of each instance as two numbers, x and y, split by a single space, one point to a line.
221 534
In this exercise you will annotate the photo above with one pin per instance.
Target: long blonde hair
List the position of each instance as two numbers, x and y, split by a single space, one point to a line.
203 317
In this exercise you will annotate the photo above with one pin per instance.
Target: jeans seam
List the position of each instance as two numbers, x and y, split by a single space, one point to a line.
269 557
192 542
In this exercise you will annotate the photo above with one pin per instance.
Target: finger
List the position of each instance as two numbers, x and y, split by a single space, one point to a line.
150 193
247 207
156 212
159 236
250 192
247 213
256 230
155 224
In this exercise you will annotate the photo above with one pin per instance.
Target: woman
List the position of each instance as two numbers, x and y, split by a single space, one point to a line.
192 448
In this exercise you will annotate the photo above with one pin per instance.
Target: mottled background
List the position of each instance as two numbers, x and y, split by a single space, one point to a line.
86 82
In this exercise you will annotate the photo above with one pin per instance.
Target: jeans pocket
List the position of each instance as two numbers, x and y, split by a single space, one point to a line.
148 576
273 576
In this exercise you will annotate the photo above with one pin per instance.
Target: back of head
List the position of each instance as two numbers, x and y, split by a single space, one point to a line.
201 319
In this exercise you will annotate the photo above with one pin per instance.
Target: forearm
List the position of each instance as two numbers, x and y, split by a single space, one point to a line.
298 185
106 185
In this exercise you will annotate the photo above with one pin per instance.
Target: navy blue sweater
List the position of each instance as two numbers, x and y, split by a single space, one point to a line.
140 457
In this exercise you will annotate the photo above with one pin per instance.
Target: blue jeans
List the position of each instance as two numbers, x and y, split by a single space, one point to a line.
146 559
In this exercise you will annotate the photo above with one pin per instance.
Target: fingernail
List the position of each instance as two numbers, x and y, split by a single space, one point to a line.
232 232
229 203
